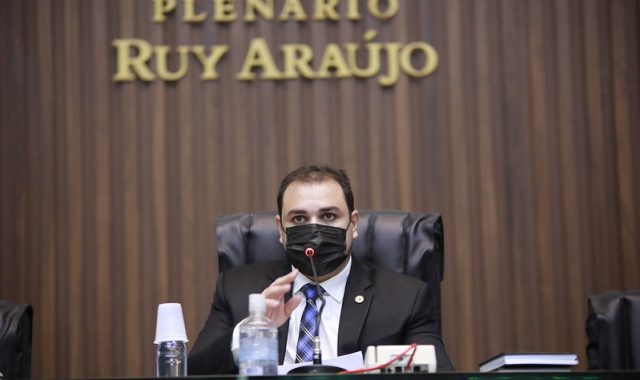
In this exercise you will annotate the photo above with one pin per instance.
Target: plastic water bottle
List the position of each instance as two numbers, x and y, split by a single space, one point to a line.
172 359
171 338
258 354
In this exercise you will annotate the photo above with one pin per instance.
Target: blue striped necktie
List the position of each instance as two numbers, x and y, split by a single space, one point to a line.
308 325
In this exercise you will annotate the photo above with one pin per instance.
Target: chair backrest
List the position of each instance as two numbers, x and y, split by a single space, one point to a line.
15 340
410 243
613 330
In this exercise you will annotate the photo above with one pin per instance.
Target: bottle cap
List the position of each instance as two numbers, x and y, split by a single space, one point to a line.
170 323
256 303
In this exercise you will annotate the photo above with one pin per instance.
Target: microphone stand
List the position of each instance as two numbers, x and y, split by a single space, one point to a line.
317 352
317 366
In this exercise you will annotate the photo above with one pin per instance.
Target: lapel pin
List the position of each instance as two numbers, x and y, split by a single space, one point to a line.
359 299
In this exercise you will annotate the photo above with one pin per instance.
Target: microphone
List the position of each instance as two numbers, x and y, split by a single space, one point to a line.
317 366
317 351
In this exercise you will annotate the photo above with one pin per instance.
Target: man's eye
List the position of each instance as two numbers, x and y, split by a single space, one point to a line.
298 219
328 217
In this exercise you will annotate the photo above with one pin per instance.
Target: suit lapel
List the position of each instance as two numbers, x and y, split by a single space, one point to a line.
358 295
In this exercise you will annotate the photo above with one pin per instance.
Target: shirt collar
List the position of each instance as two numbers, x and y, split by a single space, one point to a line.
333 287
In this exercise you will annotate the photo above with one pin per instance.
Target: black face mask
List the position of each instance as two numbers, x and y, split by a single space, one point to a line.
329 244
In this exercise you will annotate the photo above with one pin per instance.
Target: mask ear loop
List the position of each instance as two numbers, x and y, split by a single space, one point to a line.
355 232
281 232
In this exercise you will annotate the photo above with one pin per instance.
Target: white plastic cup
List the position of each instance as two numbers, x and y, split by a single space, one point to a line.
170 323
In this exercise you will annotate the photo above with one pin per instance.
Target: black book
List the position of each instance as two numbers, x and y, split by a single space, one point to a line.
529 362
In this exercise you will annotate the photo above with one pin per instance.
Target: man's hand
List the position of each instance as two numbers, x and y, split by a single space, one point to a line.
275 307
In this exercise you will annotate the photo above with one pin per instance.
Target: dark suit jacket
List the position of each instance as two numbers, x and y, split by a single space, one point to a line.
396 310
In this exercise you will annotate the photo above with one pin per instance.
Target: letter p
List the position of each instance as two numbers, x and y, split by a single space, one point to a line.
161 8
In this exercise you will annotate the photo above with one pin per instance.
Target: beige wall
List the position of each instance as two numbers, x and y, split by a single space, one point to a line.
525 139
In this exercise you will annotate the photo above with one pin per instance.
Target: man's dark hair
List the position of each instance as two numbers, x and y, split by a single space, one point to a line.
314 174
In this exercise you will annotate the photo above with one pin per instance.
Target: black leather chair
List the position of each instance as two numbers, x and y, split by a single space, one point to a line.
15 340
410 243
613 330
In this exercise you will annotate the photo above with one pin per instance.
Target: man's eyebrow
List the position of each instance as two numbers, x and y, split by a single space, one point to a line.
296 212
304 212
327 209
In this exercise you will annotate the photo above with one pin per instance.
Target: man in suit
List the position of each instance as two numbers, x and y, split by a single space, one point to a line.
364 305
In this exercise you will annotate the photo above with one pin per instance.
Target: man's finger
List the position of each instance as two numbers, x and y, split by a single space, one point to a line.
276 291
271 304
287 278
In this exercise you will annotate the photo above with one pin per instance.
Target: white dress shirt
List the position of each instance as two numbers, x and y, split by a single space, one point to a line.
329 324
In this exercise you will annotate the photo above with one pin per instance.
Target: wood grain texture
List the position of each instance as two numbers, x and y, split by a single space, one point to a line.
524 139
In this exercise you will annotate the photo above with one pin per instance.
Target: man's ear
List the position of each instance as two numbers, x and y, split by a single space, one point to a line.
281 235
355 219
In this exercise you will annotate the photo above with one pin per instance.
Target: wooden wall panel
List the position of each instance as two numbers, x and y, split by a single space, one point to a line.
524 139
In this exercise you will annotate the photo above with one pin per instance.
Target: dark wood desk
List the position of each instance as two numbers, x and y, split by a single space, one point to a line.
604 375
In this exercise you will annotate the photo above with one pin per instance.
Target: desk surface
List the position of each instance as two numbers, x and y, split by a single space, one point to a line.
461 376
599 375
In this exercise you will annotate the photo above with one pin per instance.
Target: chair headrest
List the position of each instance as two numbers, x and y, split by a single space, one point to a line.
15 340
411 243
613 330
